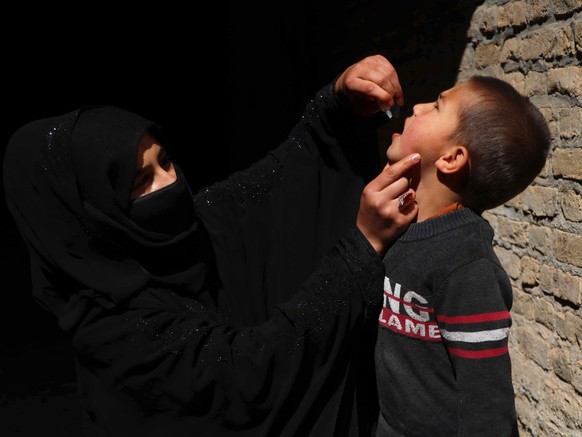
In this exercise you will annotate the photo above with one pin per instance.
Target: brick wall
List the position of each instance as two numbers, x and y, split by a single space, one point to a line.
536 45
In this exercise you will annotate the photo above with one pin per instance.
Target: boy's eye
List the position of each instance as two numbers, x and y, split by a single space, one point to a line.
436 104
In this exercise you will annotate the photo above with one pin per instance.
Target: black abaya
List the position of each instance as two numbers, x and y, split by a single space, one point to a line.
256 321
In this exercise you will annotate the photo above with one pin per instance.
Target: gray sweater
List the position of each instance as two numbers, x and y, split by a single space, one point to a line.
442 361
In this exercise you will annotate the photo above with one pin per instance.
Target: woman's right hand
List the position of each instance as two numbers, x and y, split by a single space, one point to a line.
387 205
370 85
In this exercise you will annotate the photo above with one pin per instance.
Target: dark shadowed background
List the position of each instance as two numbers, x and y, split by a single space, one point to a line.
227 81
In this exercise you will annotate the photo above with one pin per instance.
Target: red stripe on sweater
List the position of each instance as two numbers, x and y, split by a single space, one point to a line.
487 353
475 318
410 304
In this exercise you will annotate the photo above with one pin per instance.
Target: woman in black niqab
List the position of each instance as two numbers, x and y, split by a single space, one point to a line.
68 181
253 315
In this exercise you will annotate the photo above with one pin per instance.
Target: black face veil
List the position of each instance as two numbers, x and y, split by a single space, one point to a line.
289 347
68 181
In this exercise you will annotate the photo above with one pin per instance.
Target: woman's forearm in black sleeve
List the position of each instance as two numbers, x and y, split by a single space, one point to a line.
176 354
271 223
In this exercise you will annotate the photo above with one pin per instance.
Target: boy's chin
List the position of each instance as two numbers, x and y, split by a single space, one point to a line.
393 158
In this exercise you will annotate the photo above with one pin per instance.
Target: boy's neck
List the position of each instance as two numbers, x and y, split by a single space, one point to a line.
433 197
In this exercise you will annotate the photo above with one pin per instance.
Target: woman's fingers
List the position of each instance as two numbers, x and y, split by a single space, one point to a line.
391 174
370 85
387 205
405 200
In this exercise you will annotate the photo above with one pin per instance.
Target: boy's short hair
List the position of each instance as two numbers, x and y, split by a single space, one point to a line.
507 138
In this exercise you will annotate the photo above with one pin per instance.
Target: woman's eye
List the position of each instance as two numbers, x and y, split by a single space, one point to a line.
139 181
164 159
165 162
436 104
140 185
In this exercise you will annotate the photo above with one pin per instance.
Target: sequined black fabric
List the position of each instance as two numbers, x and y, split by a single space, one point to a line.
55 155
257 323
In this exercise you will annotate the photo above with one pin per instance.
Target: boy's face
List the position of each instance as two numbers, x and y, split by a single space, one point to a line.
428 130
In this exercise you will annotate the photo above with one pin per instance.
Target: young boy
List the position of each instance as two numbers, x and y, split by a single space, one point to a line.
442 361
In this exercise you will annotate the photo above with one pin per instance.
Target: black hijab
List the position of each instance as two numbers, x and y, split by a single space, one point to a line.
282 356
68 181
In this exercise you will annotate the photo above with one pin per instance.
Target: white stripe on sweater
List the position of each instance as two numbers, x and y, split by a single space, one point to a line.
475 337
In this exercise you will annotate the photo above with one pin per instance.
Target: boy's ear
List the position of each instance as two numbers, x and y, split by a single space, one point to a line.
453 160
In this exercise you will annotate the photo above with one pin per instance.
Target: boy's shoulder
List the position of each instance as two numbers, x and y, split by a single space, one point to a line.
459 226
449 240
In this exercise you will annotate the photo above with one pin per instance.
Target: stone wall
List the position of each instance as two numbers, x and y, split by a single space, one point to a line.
301 44
536 45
